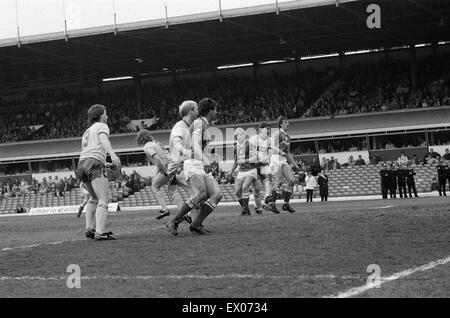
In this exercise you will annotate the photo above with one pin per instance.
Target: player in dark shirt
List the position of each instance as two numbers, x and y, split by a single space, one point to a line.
280 161
248 174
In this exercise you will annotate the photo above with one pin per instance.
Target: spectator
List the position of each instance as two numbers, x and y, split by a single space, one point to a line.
351 162
337 164
310 185
433 185
322 181
434 154
360 161
389 145
314 167
415 160
324 165
446 155
432 157
20 209
374 159
402 159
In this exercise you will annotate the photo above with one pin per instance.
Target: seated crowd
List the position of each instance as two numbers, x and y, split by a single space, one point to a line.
368 87
242 99
386 85
19 187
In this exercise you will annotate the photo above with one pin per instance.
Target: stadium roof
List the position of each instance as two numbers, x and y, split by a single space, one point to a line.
302 128
204 41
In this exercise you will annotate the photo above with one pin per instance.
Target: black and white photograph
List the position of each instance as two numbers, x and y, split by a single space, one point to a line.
224 156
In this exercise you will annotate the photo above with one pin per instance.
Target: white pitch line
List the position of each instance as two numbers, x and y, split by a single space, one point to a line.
359 290
34 245
179 277
381 207
5 249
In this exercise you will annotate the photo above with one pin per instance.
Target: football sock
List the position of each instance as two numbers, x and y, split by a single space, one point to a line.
101 215
185 208
267 189
287 196
176 197
258 201
245 203
89 209
274 195
159 194
205 209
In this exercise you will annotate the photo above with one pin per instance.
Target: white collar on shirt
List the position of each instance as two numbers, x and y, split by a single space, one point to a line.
204 118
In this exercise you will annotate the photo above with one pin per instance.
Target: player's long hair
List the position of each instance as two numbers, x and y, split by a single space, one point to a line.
143 137
95 112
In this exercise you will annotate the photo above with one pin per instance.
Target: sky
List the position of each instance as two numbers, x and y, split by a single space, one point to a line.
46 16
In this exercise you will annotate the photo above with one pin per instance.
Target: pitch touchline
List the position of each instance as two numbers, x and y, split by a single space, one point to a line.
5 249
178 277
381 207
359 290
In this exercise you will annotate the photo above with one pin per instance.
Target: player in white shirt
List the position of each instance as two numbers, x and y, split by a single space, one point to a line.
91 171
197 168
262 144
159 156
85 194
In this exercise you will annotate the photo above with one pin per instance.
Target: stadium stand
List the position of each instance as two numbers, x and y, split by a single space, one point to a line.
350 181
404 87
364 87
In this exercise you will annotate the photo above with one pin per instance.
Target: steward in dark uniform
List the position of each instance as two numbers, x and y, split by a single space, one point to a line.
323 186
410 173
385 179
447 172
392 182
442 176
401 181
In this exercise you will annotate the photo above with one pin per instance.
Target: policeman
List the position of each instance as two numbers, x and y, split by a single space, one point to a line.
385 178
392 182
401 181
410 173
442 176
447 170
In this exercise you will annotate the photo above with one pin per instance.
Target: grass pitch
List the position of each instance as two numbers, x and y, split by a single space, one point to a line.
323 249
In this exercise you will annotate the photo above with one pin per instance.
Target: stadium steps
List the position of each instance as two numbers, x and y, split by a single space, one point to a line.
365 180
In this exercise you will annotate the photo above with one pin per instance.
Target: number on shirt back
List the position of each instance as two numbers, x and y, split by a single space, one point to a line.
85 139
